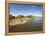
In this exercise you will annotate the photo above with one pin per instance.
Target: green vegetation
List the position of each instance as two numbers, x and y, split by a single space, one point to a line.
11 17
20 17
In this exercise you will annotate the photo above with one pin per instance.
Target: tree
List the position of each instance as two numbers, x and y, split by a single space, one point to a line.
11 17
20 16
29 16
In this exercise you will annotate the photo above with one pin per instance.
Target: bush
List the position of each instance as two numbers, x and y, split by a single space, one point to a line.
30 16
11 17
20 16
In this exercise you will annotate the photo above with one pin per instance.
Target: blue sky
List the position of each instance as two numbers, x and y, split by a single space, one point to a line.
26 9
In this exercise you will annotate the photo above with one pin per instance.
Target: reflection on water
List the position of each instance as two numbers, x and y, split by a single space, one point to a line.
34 25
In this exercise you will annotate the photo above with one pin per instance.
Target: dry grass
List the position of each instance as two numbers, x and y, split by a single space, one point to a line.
19 21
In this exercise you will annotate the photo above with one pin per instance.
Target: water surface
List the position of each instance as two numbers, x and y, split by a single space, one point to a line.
34 25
